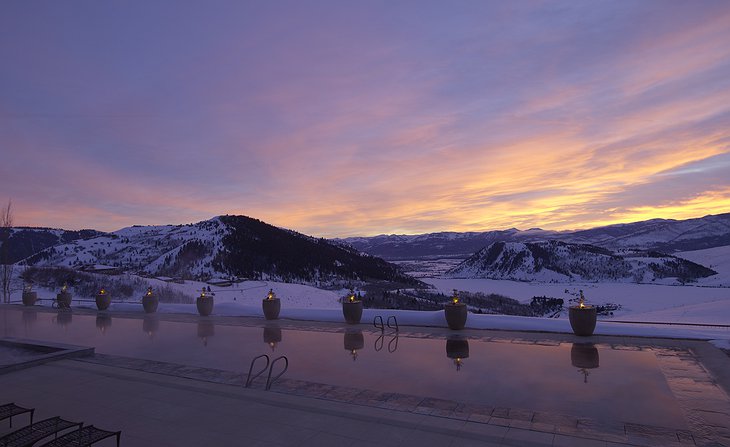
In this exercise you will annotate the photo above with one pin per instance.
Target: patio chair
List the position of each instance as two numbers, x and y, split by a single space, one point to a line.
82 438
29 435
10 410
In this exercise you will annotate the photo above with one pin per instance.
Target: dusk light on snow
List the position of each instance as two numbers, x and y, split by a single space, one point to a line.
357 118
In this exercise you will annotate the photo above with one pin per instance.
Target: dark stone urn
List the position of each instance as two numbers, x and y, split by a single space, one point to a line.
63 299
205 305
455 315
457 349
582 320
29 298
150 302
352 310
354 341
271 307
103 300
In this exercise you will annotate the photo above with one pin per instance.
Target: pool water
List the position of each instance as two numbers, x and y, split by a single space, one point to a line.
592 381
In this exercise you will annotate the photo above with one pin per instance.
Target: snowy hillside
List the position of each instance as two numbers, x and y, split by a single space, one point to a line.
224 246
555 261
717 259
20 242
186 250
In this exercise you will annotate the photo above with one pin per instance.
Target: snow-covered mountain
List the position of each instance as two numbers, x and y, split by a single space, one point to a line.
21 242
564 262
222 246
666 235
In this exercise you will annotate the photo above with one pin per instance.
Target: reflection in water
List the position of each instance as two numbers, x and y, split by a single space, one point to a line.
63 317
457 348
272 336
206 328
150 325
585 357
29 317
392 343
103 322
354 341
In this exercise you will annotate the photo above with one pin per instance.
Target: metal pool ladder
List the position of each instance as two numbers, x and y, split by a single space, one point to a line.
378 323
270 366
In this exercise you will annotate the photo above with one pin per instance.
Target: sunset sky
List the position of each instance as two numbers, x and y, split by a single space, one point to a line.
349 118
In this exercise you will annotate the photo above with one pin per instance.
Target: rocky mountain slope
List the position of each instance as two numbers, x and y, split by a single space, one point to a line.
565 262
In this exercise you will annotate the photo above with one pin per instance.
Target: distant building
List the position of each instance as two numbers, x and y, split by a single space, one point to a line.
220 282
103 269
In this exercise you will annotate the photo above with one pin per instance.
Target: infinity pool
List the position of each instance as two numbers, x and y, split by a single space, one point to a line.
593 381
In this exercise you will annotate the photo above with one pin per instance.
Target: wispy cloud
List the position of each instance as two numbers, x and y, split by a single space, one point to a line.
363 119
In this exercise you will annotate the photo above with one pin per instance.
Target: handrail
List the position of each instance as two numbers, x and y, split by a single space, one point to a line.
395 321
269 381
250 368
380 326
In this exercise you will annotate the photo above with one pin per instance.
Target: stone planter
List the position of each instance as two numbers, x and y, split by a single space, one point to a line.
205 329
150 303
582 320
29 316
64 317
354 341
103 301
584 355
271 308
272 336
103 322
352 311
455 315
457 348
205 305
29 298
63 300
150 325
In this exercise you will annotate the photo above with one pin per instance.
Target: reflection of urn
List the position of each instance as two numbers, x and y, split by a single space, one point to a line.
271 306
63 299
584 356
582 320
455 313
64 317
354 341
272 336
103 299
205 304
150 302
150 325
29 316
206 328
29 297
457 349
103 322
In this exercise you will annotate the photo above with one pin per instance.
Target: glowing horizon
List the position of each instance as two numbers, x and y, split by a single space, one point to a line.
342 120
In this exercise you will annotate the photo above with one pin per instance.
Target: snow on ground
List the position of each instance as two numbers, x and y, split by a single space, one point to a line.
717 258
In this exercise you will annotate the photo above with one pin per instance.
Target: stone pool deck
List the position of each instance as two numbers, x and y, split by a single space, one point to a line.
165 404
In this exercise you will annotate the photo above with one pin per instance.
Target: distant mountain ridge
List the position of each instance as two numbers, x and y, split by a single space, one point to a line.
221 247
665 235
564 262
